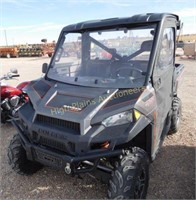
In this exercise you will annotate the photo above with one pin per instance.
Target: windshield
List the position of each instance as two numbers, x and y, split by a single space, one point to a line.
114 58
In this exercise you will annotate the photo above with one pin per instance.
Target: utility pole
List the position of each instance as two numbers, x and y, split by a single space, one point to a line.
6 37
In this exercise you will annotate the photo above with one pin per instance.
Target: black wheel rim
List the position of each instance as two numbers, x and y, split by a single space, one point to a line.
140 184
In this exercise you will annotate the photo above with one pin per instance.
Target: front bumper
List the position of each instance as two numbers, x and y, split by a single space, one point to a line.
56 145
57 159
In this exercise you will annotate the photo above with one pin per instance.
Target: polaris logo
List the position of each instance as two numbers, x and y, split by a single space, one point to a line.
72 108
51 134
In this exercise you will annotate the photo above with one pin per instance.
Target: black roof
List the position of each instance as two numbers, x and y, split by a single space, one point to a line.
135 19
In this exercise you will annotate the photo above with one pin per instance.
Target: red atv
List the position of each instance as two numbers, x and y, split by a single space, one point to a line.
11 97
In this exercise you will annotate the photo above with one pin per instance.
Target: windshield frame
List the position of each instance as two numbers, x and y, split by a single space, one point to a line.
132 26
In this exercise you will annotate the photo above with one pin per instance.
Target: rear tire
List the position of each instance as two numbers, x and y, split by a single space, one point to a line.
131 176
176 115
18 159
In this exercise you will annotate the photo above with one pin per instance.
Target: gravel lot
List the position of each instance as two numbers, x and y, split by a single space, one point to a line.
172 174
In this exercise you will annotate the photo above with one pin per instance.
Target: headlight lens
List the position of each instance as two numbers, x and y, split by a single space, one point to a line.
118 119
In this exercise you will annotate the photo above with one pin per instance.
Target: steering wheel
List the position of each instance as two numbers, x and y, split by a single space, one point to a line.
130 68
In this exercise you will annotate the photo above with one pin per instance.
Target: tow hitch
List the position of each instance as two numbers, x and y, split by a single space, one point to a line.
68 168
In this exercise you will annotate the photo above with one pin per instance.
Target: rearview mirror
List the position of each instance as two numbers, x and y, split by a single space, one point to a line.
146 45
44 68
14 71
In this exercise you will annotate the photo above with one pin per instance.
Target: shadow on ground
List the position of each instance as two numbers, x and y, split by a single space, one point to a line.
172 174
171 177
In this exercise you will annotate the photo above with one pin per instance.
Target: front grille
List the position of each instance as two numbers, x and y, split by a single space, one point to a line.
59 123
67 147
53 144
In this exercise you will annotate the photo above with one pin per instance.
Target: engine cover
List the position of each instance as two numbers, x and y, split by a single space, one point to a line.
14 101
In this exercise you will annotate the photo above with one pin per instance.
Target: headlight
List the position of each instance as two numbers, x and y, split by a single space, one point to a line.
118 119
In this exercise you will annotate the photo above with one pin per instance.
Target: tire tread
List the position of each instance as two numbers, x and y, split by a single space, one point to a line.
18 160
126 170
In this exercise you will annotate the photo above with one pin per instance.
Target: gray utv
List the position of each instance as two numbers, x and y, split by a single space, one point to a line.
106 102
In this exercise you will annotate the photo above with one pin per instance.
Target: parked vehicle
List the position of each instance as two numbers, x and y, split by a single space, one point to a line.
11 97
180 44
8 52
48 49
112 113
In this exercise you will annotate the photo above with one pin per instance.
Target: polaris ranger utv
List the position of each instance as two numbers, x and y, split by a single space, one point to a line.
106 102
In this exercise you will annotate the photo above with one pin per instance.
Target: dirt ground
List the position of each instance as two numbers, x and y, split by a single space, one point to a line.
172 174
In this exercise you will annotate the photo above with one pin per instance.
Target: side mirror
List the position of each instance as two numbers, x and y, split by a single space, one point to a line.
14 71
44 68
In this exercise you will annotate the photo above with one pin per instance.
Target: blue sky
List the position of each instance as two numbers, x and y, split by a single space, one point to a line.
29 21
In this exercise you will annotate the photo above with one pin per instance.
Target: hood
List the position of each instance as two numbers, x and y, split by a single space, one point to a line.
82 105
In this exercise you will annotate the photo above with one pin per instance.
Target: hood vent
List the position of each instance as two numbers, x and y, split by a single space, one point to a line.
41 88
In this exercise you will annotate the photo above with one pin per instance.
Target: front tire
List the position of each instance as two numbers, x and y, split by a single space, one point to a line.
176 115
18 159
131 176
